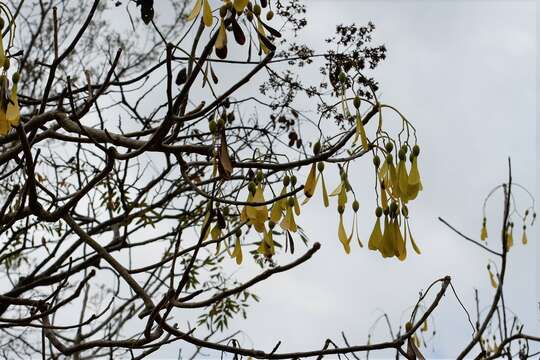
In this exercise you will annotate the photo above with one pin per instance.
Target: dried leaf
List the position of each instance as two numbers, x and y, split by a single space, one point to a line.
225 167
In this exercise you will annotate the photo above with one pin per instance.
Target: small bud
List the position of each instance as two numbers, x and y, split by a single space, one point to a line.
389 159
269 15
16 77
378 211
405 211
317 148
341 209
389 146
393 207
260 176
212 126
293 180
402 155
238 232
416 150
223 10
257 10
320 166
356 102
6 64
290 202
376 161
252 187
286 180
342 77
355 206
220 123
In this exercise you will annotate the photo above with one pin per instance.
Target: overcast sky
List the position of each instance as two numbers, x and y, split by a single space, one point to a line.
464 73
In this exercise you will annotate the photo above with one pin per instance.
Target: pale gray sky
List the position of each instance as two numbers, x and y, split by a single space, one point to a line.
464 73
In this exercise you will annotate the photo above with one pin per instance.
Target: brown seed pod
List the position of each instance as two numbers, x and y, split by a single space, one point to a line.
181 78
222 53
239 35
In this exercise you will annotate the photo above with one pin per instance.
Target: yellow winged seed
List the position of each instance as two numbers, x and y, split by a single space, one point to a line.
278 207
288 222
326 201
355 227
4 124
206 219
384 197
296 205
208 19
403 180
375 239
361 132
266 247
415 184
260 28
275 212
221 40
244 215
401 247
215 233
337 190
415 247
387 244
483 232
258 214
383 171
269 239
342 235
492 279
342 198
394 184
237 252
2 51
509 240
195 11
13 113
311 182
414 175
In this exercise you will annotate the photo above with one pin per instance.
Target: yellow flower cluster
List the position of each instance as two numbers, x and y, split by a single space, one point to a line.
509 230
397 187
9 104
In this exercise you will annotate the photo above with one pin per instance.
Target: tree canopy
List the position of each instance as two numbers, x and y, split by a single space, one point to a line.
135 170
